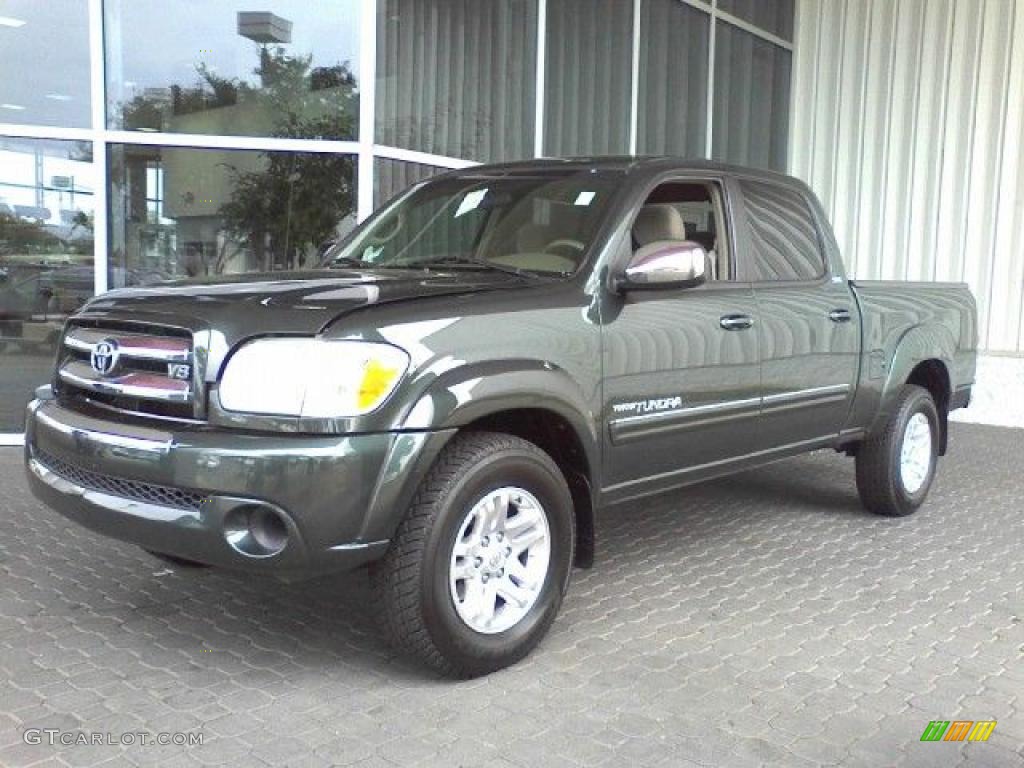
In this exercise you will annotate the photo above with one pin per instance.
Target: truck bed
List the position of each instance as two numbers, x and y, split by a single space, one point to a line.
891 309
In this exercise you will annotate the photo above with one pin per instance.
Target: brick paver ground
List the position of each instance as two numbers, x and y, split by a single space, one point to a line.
761 619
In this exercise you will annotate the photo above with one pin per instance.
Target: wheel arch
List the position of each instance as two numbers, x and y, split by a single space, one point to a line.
555 435
933 375
923 356
533 400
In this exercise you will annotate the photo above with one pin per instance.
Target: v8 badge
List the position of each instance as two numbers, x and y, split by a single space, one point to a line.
179 371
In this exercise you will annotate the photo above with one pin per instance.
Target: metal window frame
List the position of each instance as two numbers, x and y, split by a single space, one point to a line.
364 148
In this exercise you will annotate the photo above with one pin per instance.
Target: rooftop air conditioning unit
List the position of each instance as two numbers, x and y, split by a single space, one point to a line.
263 27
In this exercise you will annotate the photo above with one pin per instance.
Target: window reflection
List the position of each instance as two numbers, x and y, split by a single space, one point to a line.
457 77
775 16
44 63
391 177
673 88
46 259
751 99
589 55
196 213
288 71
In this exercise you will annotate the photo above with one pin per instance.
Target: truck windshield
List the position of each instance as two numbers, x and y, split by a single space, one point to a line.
534 224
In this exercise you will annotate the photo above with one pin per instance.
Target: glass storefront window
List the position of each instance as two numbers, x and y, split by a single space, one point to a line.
194 213
44 58
454 78
46 259
457 77
751 98
391 177
589 56
775 16
672 114
287 69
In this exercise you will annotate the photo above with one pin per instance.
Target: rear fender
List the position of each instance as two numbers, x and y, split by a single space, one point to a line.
931 341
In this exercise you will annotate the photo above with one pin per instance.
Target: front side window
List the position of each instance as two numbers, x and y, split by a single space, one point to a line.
686 211
542 224
784 238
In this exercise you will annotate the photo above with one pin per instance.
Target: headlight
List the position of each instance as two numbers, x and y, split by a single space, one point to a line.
312 378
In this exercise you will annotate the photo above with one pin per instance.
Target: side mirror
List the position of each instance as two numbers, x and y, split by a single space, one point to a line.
664 265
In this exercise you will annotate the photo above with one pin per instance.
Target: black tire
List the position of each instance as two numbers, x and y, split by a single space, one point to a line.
177 562
414 604
879 479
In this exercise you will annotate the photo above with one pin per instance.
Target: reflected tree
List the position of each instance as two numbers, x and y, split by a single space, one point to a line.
287 209
20 236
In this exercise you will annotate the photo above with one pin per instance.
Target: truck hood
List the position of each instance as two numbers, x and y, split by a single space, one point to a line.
281 303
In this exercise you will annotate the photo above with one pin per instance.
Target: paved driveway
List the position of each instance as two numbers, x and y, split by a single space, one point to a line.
762 619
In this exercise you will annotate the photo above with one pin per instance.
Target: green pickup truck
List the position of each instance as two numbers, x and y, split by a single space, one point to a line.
496 355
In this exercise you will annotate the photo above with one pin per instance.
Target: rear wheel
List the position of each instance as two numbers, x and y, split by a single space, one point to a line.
477 570
895 468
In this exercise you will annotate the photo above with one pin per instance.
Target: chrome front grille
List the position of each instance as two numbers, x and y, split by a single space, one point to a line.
150 493
150 371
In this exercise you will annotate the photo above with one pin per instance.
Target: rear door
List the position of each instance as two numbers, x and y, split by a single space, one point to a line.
809 329
681 367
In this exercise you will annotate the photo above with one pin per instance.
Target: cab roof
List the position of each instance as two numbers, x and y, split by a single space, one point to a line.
627 164
637 167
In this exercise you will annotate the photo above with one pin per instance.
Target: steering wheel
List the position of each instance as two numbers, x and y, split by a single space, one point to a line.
569 247
390 229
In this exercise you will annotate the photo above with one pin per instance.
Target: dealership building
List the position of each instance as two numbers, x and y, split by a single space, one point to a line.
142 141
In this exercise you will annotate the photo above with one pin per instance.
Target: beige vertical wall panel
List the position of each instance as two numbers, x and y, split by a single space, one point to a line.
986 156
928 141
1008 262
853 79
902 137
908 121
958 127
874 139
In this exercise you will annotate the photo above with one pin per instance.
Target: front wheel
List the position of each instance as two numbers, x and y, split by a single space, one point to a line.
895 468
477 570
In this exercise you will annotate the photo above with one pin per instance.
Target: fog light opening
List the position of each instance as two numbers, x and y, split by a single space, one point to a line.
255 531
268 530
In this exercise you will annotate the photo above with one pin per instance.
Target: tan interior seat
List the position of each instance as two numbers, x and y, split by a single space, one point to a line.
663 221
531 238
658 221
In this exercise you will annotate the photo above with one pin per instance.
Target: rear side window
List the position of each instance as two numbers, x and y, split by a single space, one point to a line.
782 232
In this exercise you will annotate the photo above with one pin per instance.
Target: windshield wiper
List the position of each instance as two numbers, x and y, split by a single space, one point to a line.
343 262
474 263
347 261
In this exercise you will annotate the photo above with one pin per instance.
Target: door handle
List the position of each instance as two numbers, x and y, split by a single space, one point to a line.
839 315
736 322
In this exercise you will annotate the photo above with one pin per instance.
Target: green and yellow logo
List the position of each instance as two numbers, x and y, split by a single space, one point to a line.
958 730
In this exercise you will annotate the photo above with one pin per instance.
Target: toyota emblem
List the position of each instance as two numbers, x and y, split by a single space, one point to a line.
104 357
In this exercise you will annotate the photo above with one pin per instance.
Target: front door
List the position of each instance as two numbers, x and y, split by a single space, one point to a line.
681 368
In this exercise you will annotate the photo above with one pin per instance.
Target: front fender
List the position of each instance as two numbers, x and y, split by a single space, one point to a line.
458 397
467 393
